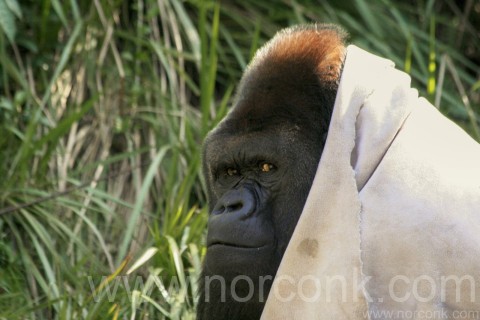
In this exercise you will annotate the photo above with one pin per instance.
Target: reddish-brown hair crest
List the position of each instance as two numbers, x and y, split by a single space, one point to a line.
320 46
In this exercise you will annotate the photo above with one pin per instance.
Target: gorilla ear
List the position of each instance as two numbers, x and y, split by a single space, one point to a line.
330 67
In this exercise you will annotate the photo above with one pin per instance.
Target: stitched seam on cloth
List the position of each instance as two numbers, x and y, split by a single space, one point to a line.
362 274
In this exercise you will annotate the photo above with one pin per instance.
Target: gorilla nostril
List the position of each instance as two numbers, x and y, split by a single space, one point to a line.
234 207
218 210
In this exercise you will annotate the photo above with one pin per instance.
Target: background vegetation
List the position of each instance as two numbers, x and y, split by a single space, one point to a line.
103 108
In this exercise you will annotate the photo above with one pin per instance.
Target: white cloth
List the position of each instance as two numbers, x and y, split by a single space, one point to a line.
391 226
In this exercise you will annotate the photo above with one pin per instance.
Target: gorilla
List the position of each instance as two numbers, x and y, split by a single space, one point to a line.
259 164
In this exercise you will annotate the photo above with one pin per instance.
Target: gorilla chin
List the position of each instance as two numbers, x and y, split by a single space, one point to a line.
219 260
259 164
235 290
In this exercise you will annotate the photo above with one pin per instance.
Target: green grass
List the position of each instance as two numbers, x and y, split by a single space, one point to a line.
103 109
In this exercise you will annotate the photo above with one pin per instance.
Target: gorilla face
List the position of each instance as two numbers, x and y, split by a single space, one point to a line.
257 194
259 165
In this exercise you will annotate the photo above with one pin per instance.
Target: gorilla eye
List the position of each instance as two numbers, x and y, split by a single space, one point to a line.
232 172
266 167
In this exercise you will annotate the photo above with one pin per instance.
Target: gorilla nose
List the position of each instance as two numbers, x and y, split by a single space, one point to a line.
234 221
240 202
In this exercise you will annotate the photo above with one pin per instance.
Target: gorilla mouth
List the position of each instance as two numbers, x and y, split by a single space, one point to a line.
235 245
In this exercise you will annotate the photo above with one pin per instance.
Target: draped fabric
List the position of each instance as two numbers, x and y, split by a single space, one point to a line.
391 226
